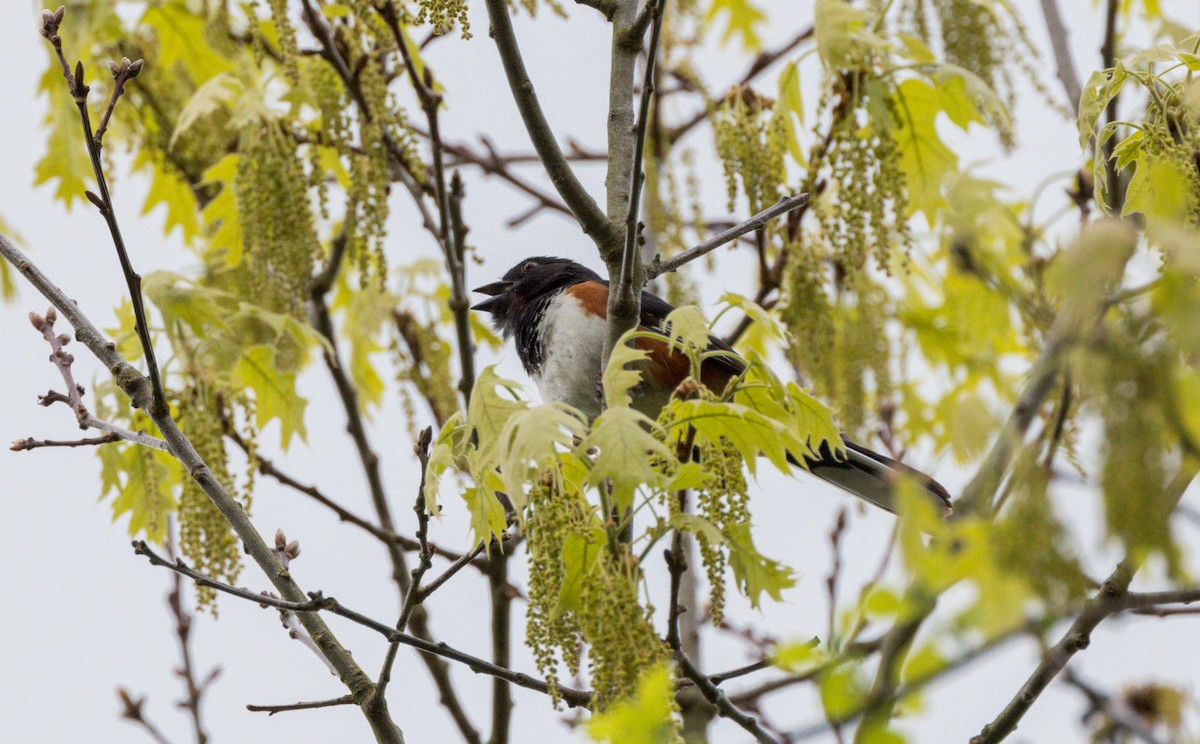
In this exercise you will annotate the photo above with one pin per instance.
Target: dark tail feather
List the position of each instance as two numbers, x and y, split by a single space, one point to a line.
871 476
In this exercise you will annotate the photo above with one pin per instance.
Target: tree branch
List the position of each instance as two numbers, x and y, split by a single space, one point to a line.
138 388
581 204
1113 597
787 204
714 695
317 602
323 322
271 710
79 91
30 443
1059 42
624 301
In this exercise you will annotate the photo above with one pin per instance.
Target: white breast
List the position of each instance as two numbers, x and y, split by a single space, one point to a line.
572 346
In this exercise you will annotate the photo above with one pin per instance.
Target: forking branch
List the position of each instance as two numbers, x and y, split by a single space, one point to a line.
139 390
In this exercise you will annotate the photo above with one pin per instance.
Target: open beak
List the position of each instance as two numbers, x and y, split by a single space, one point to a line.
496 290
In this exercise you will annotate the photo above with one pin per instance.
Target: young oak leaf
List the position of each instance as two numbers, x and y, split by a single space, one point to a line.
489 411
646 718
487 513
581 553
618 379
753 572
275 395
445 454
532 441
625 452
751 432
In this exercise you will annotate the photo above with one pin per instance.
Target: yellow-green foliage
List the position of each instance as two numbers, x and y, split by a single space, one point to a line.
751 143
581 595
205 537
279 240
988 39
865 210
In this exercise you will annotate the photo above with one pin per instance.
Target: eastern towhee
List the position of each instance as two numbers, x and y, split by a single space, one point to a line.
556 309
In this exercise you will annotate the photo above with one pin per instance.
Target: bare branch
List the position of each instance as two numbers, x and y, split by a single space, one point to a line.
607 7
595 224
103 202
787 204
21 445
271 710
1059 42
139 389
317 602
714 695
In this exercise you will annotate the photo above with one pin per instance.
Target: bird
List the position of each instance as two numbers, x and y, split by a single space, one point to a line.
555 312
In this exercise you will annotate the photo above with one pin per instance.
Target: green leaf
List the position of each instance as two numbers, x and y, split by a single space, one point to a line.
173 192
275 395
744 20
183 40
790 106
808 422
843 34
221 213
924 158
1158 190
749 431
797 656
144 481
647 718
445 454
618 379
757 313
489 412
581 554
532 441
686 329
1101 88
487 513
842 692
217 92
66 160
626 451
754 572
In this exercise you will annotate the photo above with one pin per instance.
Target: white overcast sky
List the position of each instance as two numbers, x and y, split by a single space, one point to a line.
84 615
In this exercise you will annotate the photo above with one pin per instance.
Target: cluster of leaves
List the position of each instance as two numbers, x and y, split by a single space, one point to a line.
539 464
250 178
984 37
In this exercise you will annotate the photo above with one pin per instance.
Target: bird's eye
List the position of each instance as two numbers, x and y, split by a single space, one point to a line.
528 267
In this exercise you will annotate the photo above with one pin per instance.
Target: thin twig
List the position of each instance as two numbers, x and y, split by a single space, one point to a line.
323 322
1059 42
318 602
103 202
30 443
1113 597
271 710
194 688
595 224
131 710
63 360
624 303
725 708
782 207
139 390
